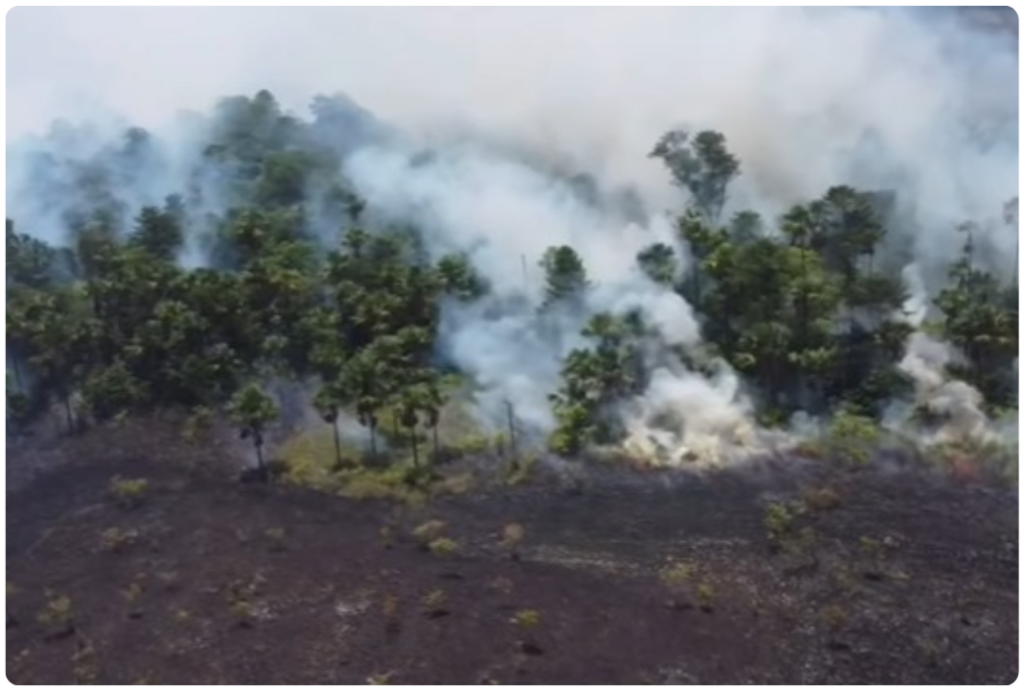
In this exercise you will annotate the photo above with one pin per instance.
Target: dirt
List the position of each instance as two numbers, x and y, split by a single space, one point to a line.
885 577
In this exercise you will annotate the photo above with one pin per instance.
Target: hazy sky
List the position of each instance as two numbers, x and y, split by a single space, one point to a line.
795 90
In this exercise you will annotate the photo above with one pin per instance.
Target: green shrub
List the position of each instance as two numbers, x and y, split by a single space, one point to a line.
777 521
852 437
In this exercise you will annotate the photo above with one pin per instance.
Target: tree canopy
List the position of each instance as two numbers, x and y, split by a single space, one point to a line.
111 323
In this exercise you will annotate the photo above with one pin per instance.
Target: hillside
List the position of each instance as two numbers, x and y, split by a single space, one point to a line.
904 577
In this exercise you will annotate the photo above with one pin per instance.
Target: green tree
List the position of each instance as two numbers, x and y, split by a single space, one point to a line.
159 232
329 401
8 391
112 391
459 278
564 274
251 409
659 262
702 165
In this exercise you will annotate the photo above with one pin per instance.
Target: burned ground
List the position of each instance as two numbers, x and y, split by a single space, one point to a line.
810 576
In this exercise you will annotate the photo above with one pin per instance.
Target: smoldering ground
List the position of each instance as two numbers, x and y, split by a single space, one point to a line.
477 127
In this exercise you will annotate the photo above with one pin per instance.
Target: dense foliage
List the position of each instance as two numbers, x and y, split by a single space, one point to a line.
113 323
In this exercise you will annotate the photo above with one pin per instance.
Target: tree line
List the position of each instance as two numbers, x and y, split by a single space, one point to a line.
110 323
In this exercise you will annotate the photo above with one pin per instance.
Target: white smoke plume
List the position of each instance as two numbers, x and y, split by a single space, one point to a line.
955 404
510 103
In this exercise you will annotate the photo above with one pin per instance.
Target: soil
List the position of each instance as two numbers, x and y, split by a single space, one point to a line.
885 576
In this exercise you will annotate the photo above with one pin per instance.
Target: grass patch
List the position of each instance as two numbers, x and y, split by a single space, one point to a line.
521 470
406 484
309 461
1011 468
117 541
133 592
433 604
849 438
526 619
57 612
425 533
512 539
128 493
834 617
275 539
821 499
85 668
677 574
970 458
196 425
443 547
706 596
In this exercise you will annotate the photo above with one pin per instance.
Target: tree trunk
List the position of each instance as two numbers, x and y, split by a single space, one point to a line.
373 441
337 443
512 441
415 448
437 444
1016 264
69 415
18 379
260 465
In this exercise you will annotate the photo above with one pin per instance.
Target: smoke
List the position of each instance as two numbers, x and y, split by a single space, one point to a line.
491 117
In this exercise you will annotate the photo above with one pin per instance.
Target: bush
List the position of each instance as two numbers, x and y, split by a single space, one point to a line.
777 521
852 438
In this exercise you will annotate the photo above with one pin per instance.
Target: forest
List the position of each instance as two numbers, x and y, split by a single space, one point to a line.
185 304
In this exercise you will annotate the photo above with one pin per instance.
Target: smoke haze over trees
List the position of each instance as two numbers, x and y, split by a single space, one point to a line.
620 246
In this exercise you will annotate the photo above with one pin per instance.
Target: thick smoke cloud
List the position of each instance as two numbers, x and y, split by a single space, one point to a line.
509 105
